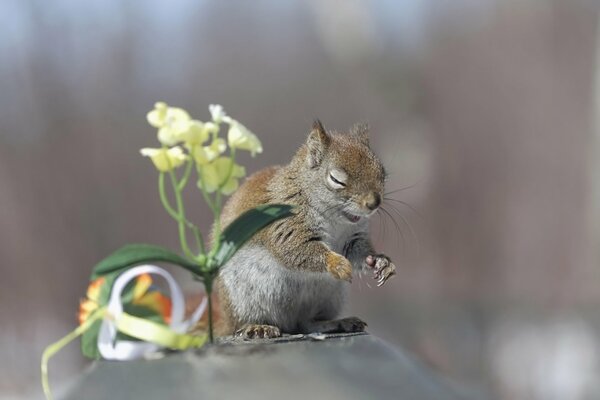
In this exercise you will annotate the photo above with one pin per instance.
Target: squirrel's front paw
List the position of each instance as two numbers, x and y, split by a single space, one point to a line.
382 266
339 266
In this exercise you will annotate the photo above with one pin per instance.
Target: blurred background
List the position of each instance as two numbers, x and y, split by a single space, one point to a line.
487 109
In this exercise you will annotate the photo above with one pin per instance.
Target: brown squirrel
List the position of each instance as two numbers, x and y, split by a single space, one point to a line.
291 276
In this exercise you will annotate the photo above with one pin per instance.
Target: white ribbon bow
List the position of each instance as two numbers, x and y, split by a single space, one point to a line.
112 349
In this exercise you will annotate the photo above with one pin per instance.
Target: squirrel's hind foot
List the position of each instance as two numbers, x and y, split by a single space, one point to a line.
344 325
256 331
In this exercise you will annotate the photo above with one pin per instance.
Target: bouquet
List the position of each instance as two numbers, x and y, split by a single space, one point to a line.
125 315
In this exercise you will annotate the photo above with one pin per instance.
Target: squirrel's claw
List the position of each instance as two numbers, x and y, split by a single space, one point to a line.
383 267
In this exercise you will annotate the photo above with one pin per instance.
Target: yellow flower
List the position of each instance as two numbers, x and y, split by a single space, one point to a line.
239 137
172 123
222 174
206 154
165 159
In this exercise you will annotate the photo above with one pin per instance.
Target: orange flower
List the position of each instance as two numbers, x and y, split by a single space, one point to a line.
90 304
158 302
152 299
143 295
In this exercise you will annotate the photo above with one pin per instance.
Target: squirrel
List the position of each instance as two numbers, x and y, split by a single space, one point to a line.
292 276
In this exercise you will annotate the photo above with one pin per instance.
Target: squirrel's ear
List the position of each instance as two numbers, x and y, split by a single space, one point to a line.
317 144
361 131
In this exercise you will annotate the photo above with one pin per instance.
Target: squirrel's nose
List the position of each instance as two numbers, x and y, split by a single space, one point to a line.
374 201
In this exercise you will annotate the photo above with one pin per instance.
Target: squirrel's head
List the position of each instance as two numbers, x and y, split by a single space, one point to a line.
347 175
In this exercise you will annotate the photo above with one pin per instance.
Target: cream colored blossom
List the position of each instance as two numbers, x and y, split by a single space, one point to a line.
222 174
157 117
217 113
240 137
165 159
196 132
172 123
205 154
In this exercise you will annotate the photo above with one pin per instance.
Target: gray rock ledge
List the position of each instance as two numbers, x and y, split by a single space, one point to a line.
355 366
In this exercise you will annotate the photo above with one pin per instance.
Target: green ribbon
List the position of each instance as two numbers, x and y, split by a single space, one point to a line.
161 335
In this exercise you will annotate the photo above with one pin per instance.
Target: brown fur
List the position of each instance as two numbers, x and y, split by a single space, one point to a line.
294 241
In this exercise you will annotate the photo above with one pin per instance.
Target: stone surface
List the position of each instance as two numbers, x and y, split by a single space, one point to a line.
332 367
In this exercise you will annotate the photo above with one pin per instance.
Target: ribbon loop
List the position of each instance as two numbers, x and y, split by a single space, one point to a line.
154 336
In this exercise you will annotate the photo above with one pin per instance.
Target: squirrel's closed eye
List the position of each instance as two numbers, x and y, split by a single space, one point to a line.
337 181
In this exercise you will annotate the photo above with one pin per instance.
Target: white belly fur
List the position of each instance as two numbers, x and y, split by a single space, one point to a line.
262 291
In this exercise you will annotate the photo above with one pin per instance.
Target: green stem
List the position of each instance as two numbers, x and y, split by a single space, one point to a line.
230 171
181 213
186 174
199 240
165 202
163 197
217 229
208 285
210 203
57 346
218 204
182 184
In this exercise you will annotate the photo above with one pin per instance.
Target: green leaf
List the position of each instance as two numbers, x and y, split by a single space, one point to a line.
89 342
246 225
133 254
